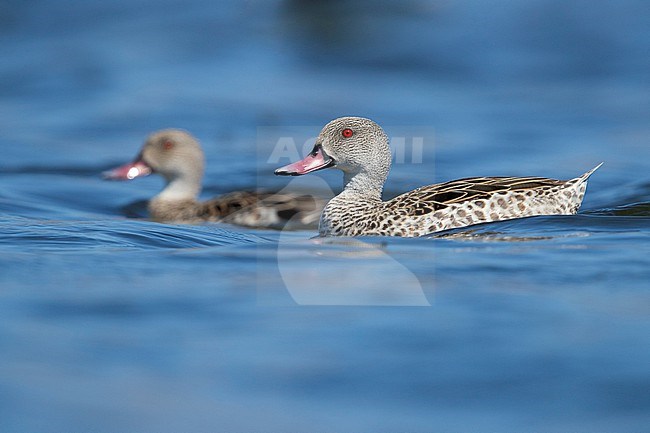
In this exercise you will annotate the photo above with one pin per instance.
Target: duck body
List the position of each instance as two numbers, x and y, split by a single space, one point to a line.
453 204
359 147
255 209
177 156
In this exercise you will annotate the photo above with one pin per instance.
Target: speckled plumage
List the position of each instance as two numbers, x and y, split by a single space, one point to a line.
256 209
364 157
177 156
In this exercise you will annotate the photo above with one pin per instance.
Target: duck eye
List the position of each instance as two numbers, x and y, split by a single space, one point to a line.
168 145
347 133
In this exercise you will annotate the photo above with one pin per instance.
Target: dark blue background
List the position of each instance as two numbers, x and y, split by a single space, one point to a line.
111 324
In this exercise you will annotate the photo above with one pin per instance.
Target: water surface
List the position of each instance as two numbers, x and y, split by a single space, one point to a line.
109 322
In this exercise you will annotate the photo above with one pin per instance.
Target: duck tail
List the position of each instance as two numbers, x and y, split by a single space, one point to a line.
585 176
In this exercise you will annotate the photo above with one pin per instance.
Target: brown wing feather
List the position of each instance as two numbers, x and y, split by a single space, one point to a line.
285 205
430 198
227 204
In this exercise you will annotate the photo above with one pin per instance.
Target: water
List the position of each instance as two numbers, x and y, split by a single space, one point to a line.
111 323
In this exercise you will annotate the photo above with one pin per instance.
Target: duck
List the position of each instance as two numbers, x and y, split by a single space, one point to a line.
177 156
359 148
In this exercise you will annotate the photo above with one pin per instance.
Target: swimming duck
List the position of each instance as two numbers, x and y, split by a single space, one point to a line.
177 156
359 148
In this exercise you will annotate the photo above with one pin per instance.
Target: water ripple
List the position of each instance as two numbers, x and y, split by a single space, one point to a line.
26 234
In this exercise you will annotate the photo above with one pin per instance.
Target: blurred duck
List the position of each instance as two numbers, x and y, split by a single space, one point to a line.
359 148
177 156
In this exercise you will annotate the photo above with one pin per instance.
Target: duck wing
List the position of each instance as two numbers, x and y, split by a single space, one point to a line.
428 199
261 209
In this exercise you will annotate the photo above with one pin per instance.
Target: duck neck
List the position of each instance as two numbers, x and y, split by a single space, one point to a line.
182 187
363 185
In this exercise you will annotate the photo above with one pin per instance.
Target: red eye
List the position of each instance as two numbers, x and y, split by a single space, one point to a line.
168 145
347 133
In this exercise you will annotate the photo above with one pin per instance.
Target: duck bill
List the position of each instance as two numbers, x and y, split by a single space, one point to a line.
128 171
316 160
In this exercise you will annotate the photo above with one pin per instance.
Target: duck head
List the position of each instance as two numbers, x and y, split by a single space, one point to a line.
351 144
174 154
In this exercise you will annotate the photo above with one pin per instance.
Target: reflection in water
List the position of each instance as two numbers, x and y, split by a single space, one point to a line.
634 209
491 236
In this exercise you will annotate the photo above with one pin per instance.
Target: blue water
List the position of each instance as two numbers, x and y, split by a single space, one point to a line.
110 323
